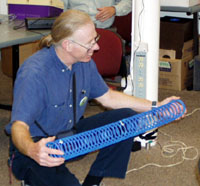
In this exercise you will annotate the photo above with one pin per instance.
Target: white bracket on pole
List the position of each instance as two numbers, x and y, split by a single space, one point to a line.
145 42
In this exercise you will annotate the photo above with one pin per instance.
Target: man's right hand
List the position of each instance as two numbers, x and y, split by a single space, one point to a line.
40 153
105 13
37 151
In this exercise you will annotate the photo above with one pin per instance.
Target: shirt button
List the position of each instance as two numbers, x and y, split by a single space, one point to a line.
55 106
70 90
70 105
70 121
63 70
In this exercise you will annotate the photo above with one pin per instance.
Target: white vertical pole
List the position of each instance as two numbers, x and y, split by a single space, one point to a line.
146 27
3 7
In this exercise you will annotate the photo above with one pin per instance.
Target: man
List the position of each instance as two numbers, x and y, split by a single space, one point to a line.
45 89
102 12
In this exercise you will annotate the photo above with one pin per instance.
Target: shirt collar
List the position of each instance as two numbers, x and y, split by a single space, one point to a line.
58 63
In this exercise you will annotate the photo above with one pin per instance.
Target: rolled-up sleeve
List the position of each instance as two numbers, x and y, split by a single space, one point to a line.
123 7
98 85
28 98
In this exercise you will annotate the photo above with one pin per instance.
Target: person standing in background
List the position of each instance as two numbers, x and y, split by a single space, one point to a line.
102 12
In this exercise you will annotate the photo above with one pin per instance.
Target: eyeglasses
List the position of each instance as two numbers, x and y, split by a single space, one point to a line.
96 39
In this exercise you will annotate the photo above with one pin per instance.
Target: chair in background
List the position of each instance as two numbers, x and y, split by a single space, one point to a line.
123 26
110 59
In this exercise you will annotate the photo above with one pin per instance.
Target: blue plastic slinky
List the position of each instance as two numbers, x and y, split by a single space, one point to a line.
85 142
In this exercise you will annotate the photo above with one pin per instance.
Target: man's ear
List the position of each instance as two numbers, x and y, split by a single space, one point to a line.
67 45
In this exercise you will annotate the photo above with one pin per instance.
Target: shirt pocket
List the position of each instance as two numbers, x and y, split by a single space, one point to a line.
58 115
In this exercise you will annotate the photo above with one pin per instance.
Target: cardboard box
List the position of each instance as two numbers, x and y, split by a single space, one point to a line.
35 8
174 32
25 50
179 3
176 74
187 50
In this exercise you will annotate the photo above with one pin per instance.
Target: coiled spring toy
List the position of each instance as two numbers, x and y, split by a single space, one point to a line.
115 132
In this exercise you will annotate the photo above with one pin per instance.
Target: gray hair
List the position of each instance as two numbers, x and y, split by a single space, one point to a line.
64 26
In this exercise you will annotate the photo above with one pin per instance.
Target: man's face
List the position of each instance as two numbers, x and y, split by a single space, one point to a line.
84 43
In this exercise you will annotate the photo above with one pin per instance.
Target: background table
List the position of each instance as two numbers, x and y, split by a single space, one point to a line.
13 34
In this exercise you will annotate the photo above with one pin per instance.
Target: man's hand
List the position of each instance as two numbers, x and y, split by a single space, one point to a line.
40 153
169 99
105 13
37 151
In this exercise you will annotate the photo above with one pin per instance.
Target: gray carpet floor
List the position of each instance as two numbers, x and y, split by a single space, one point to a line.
158 170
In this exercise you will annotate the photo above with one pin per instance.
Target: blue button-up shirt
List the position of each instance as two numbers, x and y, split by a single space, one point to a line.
43 92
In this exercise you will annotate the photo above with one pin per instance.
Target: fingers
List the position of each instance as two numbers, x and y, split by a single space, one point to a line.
49 150
176 109
54 151
51 161
48 161
105 13
169 99
101 17
42 155
49 139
